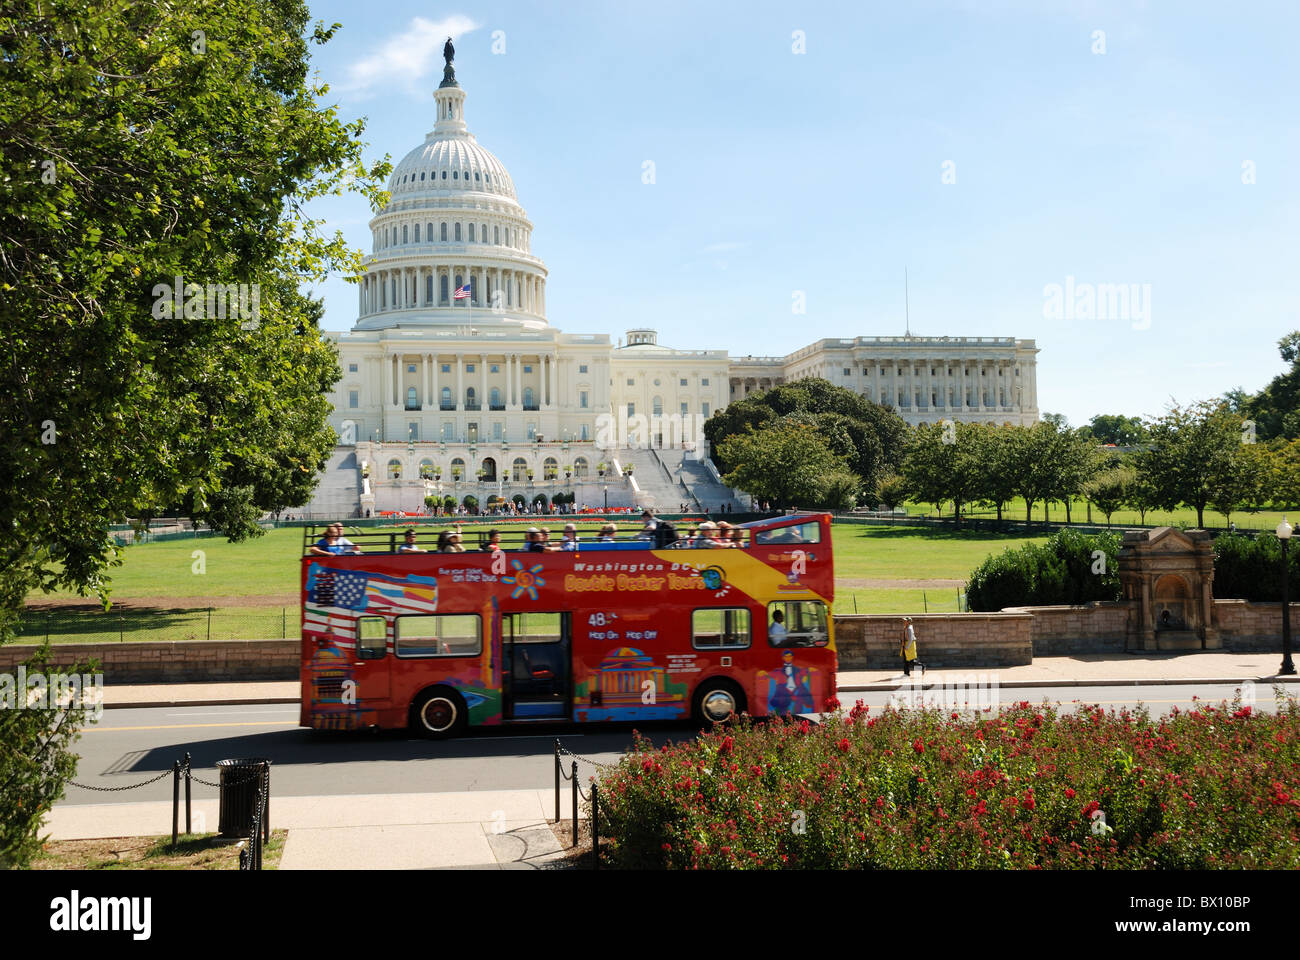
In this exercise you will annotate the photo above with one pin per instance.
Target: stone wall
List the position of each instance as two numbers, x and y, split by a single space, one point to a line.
1254 627
1098 627
943 640
173 662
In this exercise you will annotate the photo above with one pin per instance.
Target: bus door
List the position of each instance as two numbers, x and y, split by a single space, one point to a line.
372 665
536 665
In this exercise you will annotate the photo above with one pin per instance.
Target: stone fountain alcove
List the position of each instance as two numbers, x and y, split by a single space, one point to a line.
1168 575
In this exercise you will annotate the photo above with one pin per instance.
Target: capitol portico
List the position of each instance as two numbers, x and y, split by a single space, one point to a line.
452 364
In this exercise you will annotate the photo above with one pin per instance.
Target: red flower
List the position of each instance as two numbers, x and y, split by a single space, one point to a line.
918 746
843 745
727 744
1069 792
832 703
803 726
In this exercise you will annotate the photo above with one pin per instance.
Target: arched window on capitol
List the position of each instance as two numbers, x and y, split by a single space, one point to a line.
458 233
580 467
550 469
519 469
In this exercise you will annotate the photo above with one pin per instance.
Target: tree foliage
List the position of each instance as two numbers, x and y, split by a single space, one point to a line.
145 147
1069 568
867 437
789 464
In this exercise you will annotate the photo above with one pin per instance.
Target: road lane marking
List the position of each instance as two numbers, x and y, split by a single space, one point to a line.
188 726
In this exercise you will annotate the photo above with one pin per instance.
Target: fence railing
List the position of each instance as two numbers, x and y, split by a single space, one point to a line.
259 834
60 625
576 791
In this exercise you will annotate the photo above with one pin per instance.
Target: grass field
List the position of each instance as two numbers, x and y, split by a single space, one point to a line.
1184 516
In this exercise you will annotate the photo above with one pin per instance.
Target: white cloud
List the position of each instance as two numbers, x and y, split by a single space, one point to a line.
402 61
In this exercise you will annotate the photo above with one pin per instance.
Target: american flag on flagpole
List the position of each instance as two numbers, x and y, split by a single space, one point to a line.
462 293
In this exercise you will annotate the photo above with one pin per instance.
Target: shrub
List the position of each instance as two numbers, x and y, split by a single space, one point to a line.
1248 568
1059 571
1218 787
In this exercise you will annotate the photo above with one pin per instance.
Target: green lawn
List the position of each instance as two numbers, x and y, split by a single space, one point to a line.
1260 520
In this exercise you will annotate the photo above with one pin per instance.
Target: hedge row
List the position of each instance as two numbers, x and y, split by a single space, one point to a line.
1069 568
1218 787
1250 568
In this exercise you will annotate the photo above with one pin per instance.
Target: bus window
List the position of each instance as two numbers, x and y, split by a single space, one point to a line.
443 635
810 532
533 627
372 638
802 623
724 627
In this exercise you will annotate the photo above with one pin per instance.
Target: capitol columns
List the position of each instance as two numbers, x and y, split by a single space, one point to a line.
483 393
460 382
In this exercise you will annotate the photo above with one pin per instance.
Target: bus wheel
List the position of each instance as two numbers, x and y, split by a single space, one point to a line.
718 701
439 712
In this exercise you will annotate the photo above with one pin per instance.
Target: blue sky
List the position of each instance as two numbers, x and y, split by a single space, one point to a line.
824 171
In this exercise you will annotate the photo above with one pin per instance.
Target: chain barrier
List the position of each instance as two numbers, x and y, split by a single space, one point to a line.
595 763
131 786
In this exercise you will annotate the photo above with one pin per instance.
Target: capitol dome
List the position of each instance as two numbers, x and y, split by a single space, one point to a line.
453 243
449 161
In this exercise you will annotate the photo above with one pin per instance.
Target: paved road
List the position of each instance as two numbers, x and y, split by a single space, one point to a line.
130 745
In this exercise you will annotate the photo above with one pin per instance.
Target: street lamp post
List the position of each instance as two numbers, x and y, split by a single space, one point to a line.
1288 666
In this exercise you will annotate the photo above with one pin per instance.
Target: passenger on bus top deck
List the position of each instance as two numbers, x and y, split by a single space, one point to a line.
333 543
444 542
570 541
648 529
535 544
456 546
607 533
409 544
704 538
493 541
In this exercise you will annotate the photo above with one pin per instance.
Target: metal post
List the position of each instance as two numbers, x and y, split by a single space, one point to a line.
209 623
176 798
284 623
575 803
1288 665
266 807
595 826
187 794
557 781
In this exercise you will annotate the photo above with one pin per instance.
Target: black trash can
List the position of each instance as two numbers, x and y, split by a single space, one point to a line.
240 780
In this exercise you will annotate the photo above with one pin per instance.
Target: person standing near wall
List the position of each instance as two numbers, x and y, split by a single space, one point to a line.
907 648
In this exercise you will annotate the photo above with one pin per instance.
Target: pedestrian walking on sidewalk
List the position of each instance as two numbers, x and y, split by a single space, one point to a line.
907 649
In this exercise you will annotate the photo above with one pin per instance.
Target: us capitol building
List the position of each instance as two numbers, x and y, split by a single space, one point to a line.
477 394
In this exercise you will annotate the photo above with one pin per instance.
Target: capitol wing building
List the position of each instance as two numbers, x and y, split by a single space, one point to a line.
456 385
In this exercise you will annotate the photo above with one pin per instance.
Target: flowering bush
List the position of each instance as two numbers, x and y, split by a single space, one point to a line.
1217 787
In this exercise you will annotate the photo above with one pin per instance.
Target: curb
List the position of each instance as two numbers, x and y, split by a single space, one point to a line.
232 702
1028 684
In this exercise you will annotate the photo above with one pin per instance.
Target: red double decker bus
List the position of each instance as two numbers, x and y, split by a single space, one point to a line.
607 631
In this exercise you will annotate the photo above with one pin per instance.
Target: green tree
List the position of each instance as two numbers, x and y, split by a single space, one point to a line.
1117 429
791 465
1110 489
995 482
891 491
1030 461
1275 410
1191 454
942 464
135 152
870 438
1245 481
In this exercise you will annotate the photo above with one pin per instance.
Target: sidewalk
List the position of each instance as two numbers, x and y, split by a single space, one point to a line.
1079 670
490 829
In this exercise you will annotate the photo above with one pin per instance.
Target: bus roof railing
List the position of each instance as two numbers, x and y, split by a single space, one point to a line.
515 535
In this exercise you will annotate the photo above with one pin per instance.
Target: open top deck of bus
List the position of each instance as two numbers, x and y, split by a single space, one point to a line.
787 530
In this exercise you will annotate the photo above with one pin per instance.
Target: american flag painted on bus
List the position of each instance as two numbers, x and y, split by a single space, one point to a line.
362 591
333 621
382 597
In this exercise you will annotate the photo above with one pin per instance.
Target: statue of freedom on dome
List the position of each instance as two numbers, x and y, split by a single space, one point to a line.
448 72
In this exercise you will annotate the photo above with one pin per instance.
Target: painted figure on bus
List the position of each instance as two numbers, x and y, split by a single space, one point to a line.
789 688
